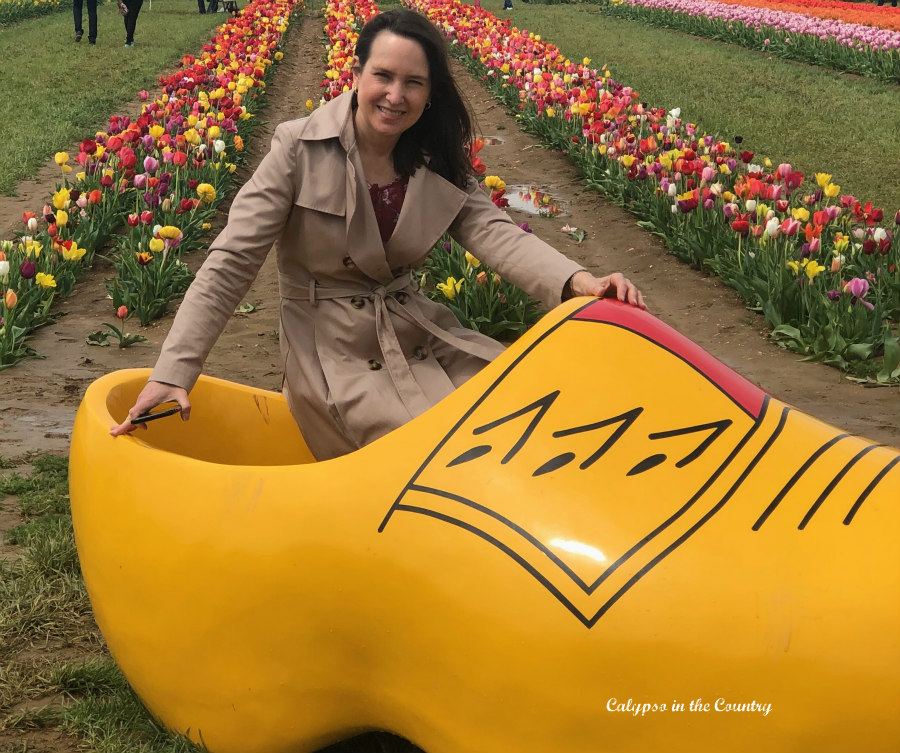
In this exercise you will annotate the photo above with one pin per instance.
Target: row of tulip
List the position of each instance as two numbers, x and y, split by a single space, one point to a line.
881 16
12 11
160 176
822 266
851 47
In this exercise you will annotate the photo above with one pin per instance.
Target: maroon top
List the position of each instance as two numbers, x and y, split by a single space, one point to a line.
387 201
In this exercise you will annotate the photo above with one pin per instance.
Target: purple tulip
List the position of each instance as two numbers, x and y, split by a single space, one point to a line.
140 181
151 164
28 269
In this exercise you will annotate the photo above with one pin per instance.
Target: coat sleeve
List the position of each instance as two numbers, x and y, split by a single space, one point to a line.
490 235
257 217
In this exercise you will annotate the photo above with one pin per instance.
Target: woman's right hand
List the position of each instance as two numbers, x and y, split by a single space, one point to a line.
152 395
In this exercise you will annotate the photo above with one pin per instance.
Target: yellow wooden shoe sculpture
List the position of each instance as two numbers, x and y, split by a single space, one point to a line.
606 542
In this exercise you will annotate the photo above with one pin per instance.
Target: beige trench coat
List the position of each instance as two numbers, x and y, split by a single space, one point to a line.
363 350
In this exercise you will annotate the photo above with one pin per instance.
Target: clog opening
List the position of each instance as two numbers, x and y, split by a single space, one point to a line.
230 425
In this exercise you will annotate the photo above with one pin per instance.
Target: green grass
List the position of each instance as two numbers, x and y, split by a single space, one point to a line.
55 93
813 118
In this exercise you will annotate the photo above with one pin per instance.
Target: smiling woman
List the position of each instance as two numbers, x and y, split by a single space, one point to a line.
378 175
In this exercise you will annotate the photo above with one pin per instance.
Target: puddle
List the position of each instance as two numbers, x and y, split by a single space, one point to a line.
534 200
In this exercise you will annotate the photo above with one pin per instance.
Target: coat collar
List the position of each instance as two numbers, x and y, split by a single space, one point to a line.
429 207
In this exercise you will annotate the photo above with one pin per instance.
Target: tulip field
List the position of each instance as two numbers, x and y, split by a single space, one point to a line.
818 263
862 39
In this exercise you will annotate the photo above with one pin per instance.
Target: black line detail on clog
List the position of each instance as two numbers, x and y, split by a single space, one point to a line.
868 490
834 482
794 479
694 528
506 550
471 454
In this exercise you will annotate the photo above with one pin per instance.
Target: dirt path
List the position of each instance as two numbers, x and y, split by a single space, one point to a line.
38 399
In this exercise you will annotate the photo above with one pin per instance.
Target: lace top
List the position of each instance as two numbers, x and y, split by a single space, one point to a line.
387 201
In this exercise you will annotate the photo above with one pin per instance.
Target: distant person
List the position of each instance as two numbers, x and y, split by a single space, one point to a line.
133 9
92 20
893 3
507 4
201 7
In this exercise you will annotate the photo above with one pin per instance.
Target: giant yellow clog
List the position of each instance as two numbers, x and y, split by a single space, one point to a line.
605 542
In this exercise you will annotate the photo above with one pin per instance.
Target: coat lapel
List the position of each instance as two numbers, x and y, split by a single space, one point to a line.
429 207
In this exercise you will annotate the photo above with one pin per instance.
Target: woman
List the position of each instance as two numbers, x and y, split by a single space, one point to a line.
356 195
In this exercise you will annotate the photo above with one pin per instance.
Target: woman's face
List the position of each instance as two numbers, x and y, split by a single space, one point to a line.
391 90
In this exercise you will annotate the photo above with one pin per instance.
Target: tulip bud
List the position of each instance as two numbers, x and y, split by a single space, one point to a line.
146 217
10 299
27 269
122 312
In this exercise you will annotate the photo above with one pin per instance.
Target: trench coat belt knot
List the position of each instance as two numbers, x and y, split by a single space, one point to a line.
384 298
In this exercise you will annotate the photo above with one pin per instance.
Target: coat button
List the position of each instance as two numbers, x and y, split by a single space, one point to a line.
374 365
420 353
357 302
401 297
348 262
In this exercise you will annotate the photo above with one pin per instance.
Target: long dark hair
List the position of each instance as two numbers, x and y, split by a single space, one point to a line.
440 138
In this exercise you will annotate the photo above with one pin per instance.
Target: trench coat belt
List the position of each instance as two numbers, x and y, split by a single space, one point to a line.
383 298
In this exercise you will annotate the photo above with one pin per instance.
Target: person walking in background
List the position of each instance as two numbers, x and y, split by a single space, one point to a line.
134 8
893 3
200 6
92 20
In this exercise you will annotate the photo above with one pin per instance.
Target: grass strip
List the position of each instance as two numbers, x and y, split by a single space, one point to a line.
54 92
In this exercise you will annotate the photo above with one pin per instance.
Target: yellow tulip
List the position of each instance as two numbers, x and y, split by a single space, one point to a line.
61 198
832 190
812 269
450 288
156 245
823 179
62 218
794 266
550 113
628 160
472 261
44 280
167 232
495 183
206 192
74 253
801 214
60 158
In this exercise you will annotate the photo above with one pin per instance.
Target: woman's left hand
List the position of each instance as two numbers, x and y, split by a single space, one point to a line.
615 285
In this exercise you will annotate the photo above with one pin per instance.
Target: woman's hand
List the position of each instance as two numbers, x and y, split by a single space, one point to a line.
615 285
152 395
